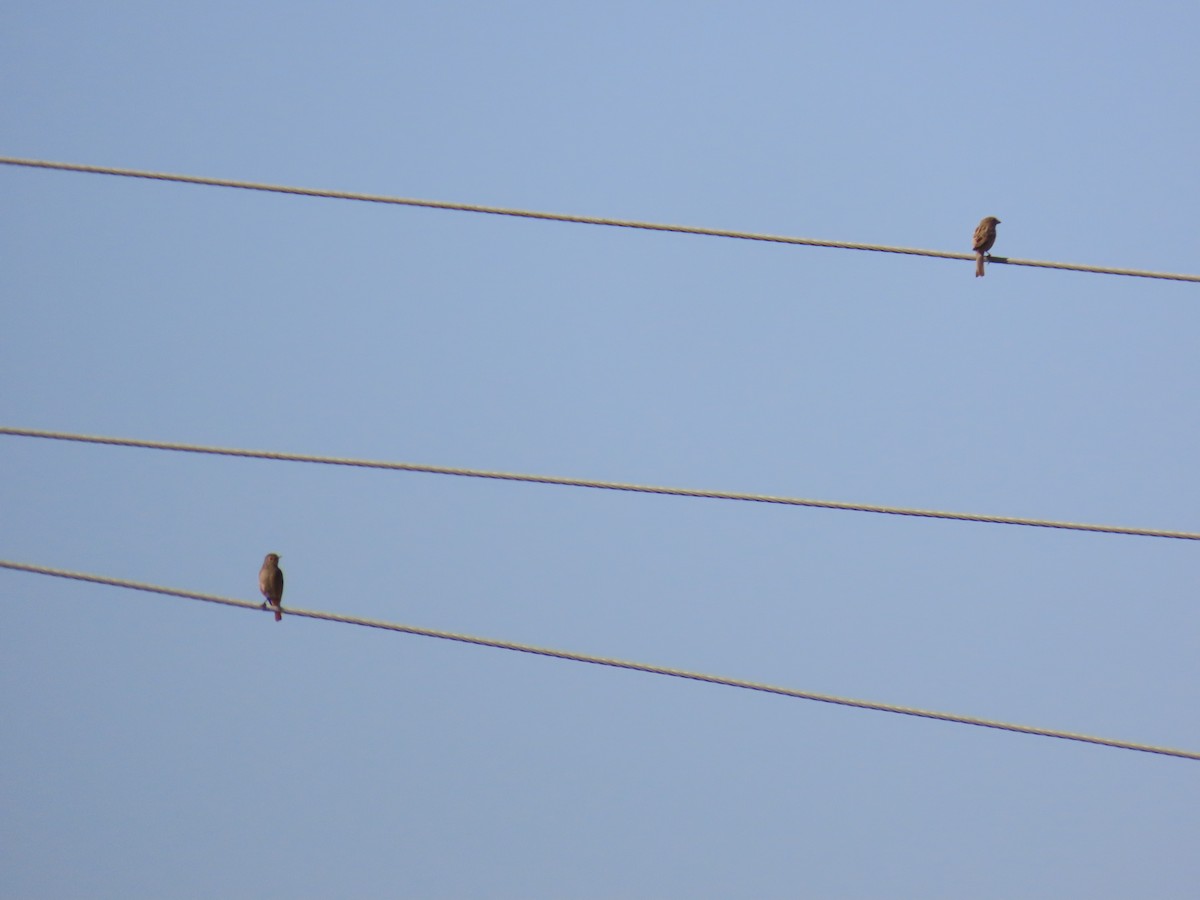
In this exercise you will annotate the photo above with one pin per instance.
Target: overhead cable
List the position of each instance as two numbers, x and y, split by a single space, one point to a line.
613 663
600 485
578 219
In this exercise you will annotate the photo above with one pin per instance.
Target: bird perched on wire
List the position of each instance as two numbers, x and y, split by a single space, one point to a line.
985 236
270 582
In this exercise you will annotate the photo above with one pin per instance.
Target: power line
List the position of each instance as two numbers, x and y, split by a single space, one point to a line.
601 485
613 663
565 217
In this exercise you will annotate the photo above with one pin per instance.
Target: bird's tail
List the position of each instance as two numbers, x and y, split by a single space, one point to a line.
278 614
978 265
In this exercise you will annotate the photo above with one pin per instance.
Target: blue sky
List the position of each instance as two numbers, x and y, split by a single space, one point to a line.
157 747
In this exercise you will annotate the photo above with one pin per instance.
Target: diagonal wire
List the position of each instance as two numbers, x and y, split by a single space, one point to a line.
613 663
600 485
565 217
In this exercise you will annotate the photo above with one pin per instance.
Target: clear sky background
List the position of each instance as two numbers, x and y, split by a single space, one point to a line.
159 747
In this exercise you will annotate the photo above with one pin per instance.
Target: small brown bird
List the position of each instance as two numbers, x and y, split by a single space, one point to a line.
985 236
270 582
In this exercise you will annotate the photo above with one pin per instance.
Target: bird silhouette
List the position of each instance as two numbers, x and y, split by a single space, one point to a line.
985 236
270 582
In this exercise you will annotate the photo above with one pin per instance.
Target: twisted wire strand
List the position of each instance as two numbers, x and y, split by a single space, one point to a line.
613 663
577 219
603 485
